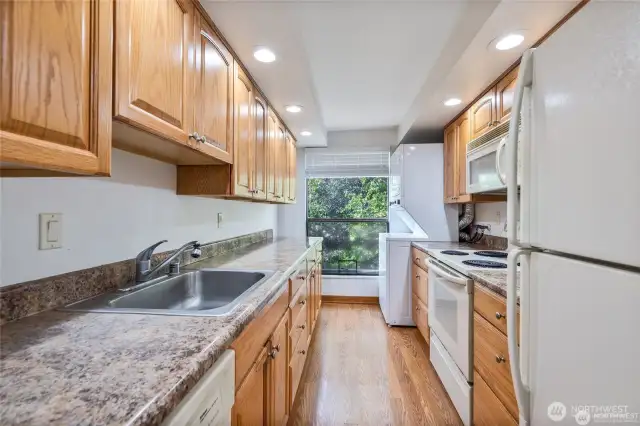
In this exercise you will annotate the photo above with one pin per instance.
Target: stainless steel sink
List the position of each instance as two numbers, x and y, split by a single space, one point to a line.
204 292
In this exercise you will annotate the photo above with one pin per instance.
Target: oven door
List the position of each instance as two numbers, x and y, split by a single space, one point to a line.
450 313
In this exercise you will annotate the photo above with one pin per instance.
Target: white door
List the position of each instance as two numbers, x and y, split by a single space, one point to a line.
584 342
585 149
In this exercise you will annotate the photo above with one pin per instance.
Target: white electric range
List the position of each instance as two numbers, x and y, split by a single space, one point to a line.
450 314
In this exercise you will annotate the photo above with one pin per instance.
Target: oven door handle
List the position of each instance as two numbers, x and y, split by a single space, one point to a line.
444 274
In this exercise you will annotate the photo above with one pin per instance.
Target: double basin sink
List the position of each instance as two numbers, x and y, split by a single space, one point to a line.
203 292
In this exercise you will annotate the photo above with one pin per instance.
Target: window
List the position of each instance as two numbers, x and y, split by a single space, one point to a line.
349 213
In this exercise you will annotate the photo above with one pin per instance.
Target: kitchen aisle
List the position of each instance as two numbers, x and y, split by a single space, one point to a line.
361 372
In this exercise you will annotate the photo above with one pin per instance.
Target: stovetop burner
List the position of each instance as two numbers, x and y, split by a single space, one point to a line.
454 253
485 264
490 253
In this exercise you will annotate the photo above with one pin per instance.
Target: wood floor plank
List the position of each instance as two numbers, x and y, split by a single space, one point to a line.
361 372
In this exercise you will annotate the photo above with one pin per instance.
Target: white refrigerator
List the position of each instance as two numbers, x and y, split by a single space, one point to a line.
577 237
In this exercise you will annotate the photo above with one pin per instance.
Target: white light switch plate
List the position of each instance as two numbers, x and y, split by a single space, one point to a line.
50 231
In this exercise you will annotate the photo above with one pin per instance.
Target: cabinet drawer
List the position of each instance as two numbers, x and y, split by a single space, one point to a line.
487 408
419 258
298 325
419 314
297 280
491 361
298 358
419 282
492 307
298 302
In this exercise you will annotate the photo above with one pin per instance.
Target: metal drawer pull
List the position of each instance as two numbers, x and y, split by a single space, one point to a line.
300 277
303 302
499 359
417 276
302 327
500 316
273 354
303 352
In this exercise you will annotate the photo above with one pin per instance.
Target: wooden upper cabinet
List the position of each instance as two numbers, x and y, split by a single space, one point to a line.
450 161
483 114
505 90
244 137
291 168
261 141
463 136
153 88
280 161
56 76
272 132
213 114
279 374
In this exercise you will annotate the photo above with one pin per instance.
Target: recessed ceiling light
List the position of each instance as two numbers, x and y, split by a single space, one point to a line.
305 133
293 108
452 102
263 54
509 41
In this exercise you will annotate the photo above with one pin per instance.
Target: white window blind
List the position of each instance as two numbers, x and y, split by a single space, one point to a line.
320 163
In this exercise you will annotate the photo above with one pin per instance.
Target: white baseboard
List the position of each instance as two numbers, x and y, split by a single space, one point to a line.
337 285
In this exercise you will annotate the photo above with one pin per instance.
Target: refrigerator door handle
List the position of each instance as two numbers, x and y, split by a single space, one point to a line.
525 78
521 391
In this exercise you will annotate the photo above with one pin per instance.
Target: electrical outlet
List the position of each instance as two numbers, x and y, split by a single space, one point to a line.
220 219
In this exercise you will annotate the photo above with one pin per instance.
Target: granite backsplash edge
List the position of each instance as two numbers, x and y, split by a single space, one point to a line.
31 297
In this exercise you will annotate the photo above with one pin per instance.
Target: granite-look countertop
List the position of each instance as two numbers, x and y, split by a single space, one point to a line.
494 280
103 369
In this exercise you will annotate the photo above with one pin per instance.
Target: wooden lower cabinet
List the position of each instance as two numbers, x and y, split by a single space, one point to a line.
419 292
279 374
487 408
494 396
250 408
271 353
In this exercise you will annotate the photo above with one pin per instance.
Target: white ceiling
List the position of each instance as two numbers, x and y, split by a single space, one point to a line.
375 64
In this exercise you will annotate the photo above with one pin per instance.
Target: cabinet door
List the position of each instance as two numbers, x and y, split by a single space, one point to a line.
450 163
483 114
260 136
279 373
213 95
272 131
55 110
250 408
504 95
463 128
291 168
244 142
280 161
153 87
487 408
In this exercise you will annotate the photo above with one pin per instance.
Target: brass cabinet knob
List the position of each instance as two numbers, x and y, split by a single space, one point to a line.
500 316
499 359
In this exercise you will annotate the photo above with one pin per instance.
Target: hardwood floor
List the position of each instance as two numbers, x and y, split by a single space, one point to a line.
361 372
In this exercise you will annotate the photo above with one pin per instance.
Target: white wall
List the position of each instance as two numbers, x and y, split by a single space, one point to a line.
494 215
359 140
292 218
349 286
111 219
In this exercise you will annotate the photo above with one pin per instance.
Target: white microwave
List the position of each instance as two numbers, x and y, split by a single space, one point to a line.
486 165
